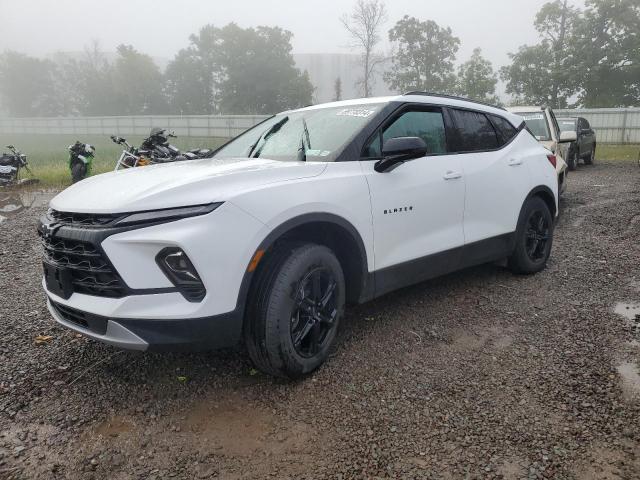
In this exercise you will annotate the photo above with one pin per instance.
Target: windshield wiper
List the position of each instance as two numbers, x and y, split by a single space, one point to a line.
266 135
302 151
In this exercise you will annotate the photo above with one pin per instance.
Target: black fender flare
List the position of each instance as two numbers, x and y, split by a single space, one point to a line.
366 288
544 190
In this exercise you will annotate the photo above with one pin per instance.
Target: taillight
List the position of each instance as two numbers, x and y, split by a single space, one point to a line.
552 160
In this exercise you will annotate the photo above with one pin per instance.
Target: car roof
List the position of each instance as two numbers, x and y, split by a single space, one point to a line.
526 109
420 97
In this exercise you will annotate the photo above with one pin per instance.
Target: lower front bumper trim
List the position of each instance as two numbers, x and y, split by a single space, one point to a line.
190 334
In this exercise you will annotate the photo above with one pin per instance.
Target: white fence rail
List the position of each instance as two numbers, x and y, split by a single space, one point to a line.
225 126
612 125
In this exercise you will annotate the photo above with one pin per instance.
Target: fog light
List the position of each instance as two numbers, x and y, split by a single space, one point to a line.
180 271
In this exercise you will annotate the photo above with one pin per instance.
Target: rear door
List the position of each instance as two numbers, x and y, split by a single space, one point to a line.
417 207
496 174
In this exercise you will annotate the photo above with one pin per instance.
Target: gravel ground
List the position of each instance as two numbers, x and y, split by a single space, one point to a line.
480 374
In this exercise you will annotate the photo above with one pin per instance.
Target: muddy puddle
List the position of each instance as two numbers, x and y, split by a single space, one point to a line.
628 310
14 202
630 376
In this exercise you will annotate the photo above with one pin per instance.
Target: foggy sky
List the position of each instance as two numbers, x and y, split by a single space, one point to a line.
161 28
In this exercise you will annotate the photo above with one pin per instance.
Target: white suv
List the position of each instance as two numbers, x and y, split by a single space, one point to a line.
310 210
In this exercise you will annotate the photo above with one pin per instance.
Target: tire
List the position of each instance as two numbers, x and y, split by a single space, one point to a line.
588 160
573 160
78 171
534 238
280 313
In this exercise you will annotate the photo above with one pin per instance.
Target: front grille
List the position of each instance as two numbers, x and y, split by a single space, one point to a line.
82 219
90 272
95 323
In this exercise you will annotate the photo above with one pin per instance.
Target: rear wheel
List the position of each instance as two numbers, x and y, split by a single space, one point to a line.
78 171
591 158
296 307
534 238
573 160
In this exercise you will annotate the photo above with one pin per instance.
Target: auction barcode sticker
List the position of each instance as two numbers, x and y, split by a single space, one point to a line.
533 116
355 112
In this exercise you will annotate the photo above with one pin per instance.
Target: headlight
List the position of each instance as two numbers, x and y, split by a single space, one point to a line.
167 214
180 271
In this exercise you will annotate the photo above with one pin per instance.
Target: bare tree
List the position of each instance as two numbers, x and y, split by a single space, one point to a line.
364 25
337 89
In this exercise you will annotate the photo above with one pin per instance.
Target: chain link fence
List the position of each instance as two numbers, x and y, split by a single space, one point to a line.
225 126
612 125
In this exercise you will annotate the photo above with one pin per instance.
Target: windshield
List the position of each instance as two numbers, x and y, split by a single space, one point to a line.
537 125
315 135
567 124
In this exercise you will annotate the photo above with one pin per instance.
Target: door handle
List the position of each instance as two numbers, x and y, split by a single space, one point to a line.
515 162
451 175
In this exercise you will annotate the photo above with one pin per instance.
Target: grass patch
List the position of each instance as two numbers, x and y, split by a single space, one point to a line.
618 152
48 156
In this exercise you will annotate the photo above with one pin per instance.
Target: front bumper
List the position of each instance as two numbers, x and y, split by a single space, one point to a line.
148 313
190 334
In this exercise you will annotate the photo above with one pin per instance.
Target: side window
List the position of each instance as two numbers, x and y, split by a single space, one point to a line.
474 132
428 125
504 128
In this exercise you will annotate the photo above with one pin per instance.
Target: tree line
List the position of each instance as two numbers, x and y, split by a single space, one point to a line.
584 57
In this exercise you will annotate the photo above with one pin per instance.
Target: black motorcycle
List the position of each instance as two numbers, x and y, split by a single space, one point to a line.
10 165
158 144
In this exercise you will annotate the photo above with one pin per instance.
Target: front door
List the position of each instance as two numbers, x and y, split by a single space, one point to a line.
418 207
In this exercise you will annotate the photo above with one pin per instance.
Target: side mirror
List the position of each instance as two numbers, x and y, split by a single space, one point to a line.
568 137
398 150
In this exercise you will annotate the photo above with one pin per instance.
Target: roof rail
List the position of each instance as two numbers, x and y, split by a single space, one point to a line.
452 97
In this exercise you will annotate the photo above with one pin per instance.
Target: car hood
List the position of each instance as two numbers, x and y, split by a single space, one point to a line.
177 184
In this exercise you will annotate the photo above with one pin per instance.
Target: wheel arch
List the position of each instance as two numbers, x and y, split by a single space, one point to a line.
547 195
327 229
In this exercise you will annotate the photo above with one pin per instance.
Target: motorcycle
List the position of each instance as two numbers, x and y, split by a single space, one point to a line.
158 144
154 149
10 165
130 157
80 160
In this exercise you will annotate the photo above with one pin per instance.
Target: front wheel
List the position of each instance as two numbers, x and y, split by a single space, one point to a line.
78 171
296 307
534 237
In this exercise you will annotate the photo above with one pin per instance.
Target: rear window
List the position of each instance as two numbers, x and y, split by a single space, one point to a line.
474 132
537 125
506 131
567 125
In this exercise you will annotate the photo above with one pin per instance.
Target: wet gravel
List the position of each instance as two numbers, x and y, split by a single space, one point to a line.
480 374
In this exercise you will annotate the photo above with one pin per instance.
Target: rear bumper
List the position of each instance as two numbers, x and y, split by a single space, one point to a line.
192 334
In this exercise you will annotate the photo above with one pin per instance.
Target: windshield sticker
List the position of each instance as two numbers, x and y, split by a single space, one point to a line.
533 116
318 153
355 112
567 123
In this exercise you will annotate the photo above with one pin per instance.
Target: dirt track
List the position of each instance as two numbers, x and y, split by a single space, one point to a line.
480 374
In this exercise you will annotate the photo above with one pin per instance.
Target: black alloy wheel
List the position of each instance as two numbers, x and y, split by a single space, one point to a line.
537 236
314 314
